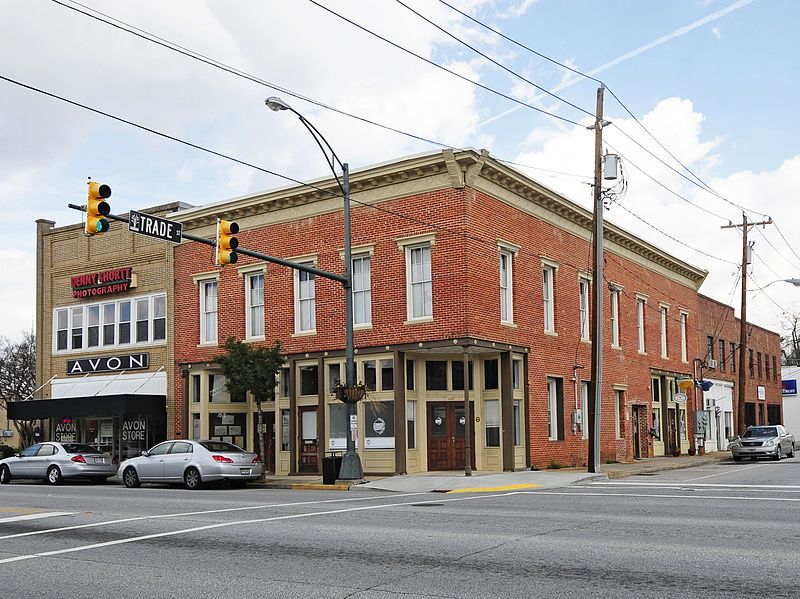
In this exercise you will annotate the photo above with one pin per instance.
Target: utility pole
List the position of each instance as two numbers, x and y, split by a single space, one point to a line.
595 395
740 397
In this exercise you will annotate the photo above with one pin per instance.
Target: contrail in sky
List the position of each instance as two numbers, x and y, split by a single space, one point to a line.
633 53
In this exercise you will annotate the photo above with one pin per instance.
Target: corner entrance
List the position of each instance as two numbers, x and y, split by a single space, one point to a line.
446 440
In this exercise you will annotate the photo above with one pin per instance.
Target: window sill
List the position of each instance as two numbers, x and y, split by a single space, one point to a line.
551 333
511 325
642 353
362 327
304 334
616 346
254 339
419 320
110 348
208 344
587 341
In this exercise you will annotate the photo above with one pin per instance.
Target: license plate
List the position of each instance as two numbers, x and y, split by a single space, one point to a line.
99 460
244 470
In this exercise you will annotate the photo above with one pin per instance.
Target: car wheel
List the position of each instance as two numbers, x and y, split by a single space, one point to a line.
737 458
191 479
130 478
777 457
791 452
5 475
54 476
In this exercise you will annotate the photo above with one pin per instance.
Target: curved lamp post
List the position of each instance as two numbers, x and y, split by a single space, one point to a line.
351 463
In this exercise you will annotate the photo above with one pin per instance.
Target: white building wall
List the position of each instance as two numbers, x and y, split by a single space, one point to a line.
144 383
718 404
791 403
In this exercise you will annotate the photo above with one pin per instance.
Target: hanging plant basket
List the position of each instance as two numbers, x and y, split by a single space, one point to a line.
352 394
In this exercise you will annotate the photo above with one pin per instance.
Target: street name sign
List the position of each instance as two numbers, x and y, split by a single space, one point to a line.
153 226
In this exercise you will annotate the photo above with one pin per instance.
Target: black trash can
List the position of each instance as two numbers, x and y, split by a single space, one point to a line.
331 464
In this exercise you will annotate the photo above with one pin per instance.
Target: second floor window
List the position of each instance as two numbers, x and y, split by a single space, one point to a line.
419 282
548 276
732 347
722 360
506 288
684 351
615 317
640 304
208 312
664 347
362 290
254 298
583 291
305 312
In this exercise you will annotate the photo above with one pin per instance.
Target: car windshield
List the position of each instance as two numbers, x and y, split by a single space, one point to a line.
79 448
761 431
221 446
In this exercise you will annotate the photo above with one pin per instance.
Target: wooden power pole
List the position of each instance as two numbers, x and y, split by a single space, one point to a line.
740 396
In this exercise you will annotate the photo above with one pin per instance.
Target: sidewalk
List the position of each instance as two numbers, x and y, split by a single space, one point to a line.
456 482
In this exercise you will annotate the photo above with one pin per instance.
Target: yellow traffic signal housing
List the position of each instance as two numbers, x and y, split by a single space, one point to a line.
226 242
97 208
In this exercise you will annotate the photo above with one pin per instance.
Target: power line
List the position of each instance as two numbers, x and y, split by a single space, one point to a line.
443 68
492 60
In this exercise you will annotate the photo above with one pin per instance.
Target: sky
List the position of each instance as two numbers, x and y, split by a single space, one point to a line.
699 98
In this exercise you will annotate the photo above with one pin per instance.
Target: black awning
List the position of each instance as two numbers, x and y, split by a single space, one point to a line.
98 405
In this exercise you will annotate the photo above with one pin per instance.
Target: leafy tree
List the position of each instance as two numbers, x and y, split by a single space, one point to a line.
254 369
18 378
790 341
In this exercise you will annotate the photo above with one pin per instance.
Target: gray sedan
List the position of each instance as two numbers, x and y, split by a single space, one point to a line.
53 462
193 463
763 441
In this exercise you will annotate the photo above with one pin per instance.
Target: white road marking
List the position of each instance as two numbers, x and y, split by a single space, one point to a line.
729 471
664 496
172 533
197 513
34 516
703 485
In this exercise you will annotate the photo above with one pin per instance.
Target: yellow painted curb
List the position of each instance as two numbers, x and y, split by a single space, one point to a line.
319 487
490 489
20 510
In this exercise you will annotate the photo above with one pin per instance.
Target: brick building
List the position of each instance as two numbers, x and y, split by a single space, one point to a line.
719 352
104 342
453 253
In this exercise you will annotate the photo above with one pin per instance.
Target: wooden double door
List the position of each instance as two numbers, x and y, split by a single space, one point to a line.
446 438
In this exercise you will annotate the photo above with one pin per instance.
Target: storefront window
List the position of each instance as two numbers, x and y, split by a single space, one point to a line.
410 375
490 377
285 430
516 374
411 420
334 376
216 388
309 383
230 428
517 422
436 375
338 426
683 425
196 434
656 428
492 408
458 375
195 388
284 382
370 374
387 375
379 424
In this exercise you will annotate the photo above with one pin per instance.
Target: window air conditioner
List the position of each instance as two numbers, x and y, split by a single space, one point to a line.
712 363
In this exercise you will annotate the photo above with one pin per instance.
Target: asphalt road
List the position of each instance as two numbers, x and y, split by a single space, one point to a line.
722 530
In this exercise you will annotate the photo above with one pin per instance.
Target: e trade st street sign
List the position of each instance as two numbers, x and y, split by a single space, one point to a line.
109 364
153 226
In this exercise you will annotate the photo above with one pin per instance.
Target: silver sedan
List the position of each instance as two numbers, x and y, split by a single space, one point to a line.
763 441
193 463
53 462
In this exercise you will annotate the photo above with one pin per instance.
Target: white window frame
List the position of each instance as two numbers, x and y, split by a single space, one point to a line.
254 311
583 298
664 315
615 316
506 287
641 303
684 322
548 297
305 296
362 289
77 317
585 409
206 336
425 283
552 409
619 397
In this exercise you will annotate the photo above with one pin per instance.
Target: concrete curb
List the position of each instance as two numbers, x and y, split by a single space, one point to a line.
665 467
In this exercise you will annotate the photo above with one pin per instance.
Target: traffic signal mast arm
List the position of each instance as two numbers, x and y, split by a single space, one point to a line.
245 252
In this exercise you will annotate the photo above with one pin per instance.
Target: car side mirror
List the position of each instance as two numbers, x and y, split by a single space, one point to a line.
16 455
145 454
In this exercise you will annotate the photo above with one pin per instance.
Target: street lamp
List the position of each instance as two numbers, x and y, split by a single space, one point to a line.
351 463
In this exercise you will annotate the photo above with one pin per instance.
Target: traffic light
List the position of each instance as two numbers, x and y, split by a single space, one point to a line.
226 242
97 208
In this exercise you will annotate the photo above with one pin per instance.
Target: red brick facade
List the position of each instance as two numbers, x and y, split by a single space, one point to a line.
469 206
